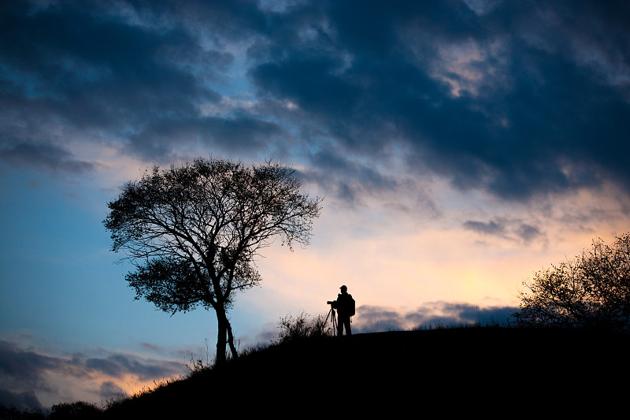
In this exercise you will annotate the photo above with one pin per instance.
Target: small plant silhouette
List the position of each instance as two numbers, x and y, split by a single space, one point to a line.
302 326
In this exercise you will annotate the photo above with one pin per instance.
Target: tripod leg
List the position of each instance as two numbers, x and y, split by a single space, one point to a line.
331 316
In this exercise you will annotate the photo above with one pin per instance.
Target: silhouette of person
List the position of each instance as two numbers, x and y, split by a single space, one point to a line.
345 309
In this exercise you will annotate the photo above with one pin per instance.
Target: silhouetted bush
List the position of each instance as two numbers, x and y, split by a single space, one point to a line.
12 413
76 410
302 326
593 290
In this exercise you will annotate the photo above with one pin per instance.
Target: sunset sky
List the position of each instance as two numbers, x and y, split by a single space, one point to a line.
459 146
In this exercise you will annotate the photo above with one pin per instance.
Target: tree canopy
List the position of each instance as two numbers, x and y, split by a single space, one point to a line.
593 290
193 232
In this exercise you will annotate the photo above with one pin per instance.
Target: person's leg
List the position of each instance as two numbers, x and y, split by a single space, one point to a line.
339 327
348 329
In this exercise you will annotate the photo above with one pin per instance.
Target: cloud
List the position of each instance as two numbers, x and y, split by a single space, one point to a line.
492 227
153 348
528 232
94 69
242 135
24 401
484 316
51 378
535 135
110 391
345 179
525 110
433 314
514 230
135 76
482 7
374 318
46 156
118 365
470 67
25 366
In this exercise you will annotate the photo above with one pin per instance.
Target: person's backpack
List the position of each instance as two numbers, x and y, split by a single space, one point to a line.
350 305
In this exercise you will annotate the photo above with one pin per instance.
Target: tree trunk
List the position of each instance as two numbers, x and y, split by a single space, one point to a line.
224 336
231 341
222 324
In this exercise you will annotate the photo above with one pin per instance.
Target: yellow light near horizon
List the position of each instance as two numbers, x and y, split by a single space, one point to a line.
406 270
86 386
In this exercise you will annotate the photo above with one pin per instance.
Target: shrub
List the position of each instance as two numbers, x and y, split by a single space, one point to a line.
302 326
76 410
593 290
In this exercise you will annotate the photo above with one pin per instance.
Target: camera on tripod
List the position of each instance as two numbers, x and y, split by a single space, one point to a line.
332 316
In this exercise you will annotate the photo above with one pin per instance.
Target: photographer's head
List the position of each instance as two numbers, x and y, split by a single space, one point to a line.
344 288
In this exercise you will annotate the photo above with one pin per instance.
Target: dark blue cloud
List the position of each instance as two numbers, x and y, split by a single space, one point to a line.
531 120
100 72
492 227
48 156
117 365
431 315
25 365
348 180
310 82
93 68
24 373
110 391
515 230
485 316
508 97
528 232
24 401
375 318
242 135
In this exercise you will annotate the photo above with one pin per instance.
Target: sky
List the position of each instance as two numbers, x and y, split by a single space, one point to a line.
459 146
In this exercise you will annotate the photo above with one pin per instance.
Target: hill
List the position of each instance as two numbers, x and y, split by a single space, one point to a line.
397 371
454 371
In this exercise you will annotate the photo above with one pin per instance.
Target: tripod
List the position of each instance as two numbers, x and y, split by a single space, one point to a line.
333 319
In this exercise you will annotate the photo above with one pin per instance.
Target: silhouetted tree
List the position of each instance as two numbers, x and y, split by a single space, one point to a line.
193 232
593 290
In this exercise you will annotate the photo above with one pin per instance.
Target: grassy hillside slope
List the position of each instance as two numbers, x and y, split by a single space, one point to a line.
471 372
398 372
